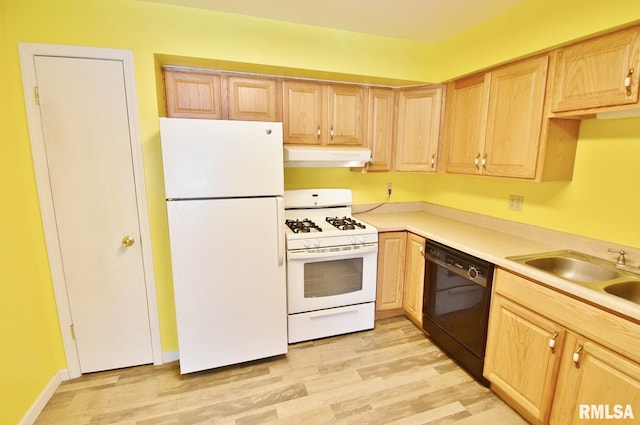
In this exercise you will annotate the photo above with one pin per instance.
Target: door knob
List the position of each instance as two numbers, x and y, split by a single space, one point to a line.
127 241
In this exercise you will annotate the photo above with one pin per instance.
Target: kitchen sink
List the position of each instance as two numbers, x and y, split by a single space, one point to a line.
629 290
588 271
573 269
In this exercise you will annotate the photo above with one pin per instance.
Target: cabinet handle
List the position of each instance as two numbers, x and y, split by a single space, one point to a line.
422 250
477 161
332 132
553 340
576 355
318 131
627 81
433 161
484 161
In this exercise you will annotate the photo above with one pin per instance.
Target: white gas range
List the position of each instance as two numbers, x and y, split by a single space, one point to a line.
331 265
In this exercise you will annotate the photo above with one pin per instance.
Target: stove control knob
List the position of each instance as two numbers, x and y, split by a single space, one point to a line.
353 240
307 243
316 242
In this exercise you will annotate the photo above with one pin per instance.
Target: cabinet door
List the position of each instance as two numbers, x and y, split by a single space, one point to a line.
391 257
592 73
514 118
519 362
193 95
597 384
302 117
414 278
253 99
418 129
346 115
466 118
380 130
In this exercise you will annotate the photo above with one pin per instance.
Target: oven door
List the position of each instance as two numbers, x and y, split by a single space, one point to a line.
322 278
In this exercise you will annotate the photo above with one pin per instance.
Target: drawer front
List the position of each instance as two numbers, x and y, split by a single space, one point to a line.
334 321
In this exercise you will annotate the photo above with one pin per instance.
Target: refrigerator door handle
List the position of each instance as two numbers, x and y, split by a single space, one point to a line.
280 229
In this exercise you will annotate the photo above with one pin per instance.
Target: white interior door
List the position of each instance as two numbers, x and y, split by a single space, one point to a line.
90 168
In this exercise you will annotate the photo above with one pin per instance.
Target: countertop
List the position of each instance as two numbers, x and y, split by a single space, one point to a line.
494 245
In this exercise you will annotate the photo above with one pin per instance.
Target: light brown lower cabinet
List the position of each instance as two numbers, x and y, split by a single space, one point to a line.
519 363
595 383
414 278
391 254
560 361
400 274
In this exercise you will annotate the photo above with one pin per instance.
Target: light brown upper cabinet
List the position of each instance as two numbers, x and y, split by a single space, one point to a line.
465 124
514 119
602 72
380 128
254 99
494 120
418 128
495 125
192 94
324 114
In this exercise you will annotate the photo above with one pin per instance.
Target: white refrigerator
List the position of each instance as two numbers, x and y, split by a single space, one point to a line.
224 184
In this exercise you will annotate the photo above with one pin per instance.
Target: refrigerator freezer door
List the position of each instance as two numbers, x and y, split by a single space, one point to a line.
219 159
229 280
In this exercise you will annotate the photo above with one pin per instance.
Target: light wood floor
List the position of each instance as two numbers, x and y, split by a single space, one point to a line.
392 374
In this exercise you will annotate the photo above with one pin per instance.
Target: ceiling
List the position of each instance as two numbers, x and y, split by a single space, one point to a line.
421 20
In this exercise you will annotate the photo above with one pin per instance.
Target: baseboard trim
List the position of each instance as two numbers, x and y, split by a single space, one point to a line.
170 356
63 375
44 397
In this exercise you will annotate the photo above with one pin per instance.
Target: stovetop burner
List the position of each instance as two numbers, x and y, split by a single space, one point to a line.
302 226
345 223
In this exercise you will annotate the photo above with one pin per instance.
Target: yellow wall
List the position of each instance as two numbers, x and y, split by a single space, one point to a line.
533 26
31 350
32 345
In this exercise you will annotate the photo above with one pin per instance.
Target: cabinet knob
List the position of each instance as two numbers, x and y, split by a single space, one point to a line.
627 81
576 355
553 340
477 161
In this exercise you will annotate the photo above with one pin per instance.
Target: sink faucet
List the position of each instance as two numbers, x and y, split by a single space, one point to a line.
621 260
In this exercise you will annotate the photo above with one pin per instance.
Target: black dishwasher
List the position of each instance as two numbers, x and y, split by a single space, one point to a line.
457 292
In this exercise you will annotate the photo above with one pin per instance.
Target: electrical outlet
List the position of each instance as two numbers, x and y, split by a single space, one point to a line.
516 202
389 188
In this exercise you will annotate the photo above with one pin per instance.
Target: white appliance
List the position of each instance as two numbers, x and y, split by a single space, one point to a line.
331 265
224 184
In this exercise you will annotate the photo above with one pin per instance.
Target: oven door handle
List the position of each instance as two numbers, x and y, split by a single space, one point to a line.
315 253
460 272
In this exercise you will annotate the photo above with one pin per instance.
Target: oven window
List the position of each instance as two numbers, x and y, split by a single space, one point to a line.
328 278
